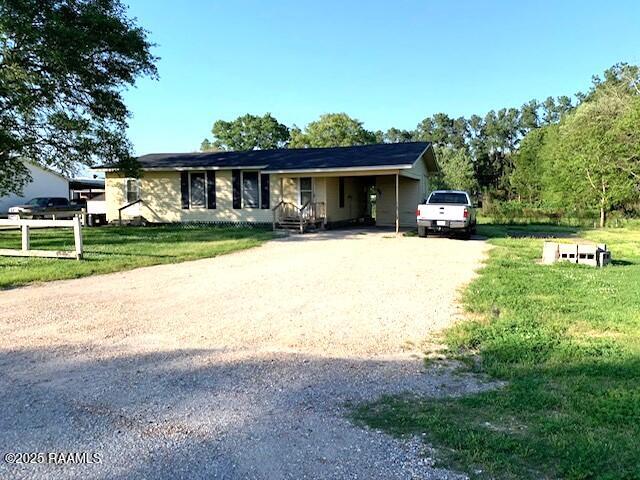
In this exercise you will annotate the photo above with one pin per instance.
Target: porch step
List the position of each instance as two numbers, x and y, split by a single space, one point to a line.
292 224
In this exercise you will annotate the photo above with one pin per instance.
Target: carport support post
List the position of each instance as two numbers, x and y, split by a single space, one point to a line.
397 202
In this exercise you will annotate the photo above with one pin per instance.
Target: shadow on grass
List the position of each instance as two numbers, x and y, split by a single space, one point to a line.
581 421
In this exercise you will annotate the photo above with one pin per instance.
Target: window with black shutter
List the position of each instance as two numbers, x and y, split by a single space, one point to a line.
184 189
250 190
341 192
198 190
211 189
264 191
237 188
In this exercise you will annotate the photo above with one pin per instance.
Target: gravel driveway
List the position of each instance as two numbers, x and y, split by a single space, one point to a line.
235 367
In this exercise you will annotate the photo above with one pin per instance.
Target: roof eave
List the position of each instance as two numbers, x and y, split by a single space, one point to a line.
340 169
180 169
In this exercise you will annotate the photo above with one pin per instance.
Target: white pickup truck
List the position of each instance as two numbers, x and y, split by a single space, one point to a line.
447 211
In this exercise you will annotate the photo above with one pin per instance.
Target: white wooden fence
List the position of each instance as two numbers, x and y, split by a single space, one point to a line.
25 225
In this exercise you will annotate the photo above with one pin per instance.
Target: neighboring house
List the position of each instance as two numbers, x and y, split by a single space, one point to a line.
44 183
332 186
86 188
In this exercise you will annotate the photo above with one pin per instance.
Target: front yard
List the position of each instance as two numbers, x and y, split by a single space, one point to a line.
566 339
111 249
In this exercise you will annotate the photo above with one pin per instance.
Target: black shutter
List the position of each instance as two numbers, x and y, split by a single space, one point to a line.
264 190
184 189
211 189
237 191
341 192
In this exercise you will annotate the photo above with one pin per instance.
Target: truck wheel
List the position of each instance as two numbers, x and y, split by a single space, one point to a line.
422 232
466 234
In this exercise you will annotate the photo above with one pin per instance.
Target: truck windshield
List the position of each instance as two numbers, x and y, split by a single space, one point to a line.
448 197
38 202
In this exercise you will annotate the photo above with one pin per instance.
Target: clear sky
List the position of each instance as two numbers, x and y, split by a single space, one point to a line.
387 63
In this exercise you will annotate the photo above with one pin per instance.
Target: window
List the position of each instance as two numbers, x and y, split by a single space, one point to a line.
341 192
198 196
306 190
133 190
448 197
250 192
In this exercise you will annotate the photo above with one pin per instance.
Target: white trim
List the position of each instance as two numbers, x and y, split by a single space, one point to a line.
182 169
126 188
420 157
342 169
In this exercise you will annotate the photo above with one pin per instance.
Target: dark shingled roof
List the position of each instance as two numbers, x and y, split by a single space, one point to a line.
380 155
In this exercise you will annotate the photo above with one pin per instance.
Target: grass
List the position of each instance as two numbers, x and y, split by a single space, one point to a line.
112 249
566 339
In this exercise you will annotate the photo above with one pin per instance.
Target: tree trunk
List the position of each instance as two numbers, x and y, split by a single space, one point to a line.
603 217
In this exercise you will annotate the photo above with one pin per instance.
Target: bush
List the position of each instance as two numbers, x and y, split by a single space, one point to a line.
520 212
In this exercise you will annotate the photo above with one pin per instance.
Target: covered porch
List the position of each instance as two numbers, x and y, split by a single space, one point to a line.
310 201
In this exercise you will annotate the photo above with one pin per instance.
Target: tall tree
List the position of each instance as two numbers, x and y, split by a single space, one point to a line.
395 135
526 178
595 159
248 132
456 169
529 118
332 130
63 67
424 130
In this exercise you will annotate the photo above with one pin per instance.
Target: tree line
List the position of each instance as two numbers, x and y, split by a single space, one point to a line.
532 154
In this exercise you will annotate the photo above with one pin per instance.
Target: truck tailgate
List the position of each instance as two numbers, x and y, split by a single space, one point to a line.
441 212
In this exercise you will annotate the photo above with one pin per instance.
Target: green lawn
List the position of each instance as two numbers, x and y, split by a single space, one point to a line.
566 339
111 249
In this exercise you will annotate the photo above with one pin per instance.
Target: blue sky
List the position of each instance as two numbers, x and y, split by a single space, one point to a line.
387 63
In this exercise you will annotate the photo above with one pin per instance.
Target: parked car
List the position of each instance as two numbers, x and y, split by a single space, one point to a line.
42 207
447 211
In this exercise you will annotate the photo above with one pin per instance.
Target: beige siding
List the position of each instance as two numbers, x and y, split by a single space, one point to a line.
354 199
410 195
290 189
114 194
414 186
419 171
160 192
161 200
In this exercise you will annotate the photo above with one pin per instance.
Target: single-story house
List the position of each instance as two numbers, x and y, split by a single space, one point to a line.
44 183
330 186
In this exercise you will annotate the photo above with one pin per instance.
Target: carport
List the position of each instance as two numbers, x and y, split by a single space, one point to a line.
382 195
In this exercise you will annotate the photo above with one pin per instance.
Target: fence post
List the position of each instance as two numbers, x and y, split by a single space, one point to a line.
77 236
25 237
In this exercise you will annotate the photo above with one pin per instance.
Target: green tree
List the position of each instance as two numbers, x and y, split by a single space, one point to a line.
248 132
63 67
395 135
529 117
443 131
456 169
332 130
528 167
594 161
